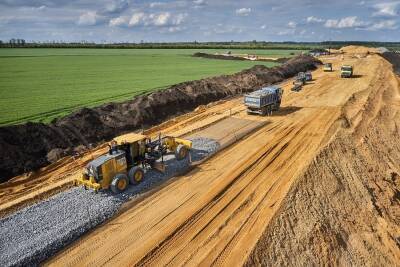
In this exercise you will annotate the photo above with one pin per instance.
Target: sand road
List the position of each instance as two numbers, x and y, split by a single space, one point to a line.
216 213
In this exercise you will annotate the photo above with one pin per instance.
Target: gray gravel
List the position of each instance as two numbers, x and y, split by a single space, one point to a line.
35 233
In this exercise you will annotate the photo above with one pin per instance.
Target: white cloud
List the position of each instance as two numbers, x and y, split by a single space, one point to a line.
383 25
313 19
386 9
137 19
161 19
287 32
263 27
348 22
116 6
156 4
88 19
243 11
199 2
154 19
120 21
292 24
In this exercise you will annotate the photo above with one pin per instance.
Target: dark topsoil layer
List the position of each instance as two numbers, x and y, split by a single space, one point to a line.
29 146
393 58
228 57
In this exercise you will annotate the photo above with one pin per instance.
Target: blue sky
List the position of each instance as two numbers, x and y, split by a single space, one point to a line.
201 20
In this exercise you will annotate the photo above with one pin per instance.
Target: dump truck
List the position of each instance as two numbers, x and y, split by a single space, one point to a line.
127 159
298 85
328 67
308 76
346 71
301 76
264 101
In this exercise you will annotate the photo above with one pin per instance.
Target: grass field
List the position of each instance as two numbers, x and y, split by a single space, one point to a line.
42 84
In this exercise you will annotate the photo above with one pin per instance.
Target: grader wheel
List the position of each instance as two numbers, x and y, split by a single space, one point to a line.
181 152
136 175
119 183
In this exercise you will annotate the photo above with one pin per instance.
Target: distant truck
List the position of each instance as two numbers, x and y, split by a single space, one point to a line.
263 101
346 71
299 81
298 85
328 67
308 76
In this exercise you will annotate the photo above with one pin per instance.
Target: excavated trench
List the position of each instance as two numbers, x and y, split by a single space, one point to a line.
27 147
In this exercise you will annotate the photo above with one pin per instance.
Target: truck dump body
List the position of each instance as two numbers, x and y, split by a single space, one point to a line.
263 101
346 71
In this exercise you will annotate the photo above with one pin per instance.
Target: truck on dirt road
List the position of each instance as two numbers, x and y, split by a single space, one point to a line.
346 71
264 101
328 67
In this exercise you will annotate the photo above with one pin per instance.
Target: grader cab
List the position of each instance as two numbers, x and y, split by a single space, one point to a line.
128 156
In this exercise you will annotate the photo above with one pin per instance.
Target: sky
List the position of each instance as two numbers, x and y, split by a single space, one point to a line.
199 20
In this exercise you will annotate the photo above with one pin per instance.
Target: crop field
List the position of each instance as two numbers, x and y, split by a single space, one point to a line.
43 84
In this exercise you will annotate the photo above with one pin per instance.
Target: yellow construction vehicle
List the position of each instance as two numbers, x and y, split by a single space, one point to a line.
128 156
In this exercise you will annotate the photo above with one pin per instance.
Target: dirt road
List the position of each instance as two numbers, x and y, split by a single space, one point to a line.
216 213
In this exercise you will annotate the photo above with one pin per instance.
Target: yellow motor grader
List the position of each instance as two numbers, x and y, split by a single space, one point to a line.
127 158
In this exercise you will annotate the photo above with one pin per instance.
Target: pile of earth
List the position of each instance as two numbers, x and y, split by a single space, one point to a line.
393 58
230 57
30 146
211 56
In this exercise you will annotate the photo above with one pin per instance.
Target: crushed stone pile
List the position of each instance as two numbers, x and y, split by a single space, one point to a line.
35 233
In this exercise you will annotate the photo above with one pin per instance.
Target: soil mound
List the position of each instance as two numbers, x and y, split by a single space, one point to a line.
229 57
25 147
211 56
393 58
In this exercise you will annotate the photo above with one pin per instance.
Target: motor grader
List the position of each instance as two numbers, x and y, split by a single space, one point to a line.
127 158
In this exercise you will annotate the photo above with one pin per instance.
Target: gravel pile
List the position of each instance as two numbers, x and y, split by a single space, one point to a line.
33 234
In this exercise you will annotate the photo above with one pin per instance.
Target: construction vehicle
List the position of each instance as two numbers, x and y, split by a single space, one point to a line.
298 85
328 67
127 158
264 101
346 71
299 81
308 76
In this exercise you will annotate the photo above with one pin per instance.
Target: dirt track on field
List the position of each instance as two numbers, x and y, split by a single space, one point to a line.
317 184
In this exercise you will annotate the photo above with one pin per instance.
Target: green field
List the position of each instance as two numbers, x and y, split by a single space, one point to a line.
42 84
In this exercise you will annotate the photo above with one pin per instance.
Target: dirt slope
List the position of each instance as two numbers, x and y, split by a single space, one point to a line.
223 211
30 146
345 208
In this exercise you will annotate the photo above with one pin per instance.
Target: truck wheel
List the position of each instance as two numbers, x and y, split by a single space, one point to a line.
119 183
136 175
181 152
264 111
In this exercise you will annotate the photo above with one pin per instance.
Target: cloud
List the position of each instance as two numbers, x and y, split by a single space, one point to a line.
163 19
137 19
383 25
88 19
199 3
386 9
313 19
243 11
348 22
116 6
120 21
156 4
292 24
263 27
